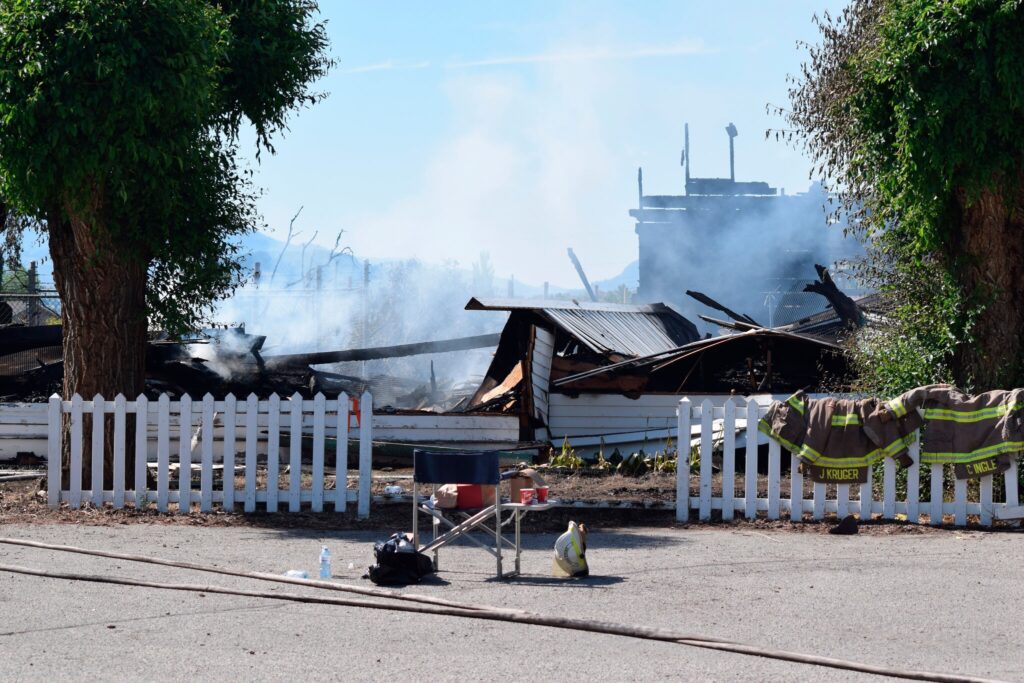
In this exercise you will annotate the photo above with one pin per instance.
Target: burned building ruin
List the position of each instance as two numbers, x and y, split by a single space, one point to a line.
745 243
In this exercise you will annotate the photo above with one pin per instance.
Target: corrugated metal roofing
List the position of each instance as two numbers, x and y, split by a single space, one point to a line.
607 328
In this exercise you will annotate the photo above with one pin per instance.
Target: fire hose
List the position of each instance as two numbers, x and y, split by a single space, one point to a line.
422 604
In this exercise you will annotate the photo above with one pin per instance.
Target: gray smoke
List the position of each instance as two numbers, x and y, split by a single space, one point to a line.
348 306
752 254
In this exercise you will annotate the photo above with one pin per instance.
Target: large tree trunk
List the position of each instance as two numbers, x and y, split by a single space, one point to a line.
103 318
991 236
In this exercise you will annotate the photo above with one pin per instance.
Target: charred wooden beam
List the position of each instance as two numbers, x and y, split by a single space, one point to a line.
583 276
711 303
845 307
743 327
480 341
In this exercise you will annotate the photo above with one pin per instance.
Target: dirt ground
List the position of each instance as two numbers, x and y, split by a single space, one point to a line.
23 502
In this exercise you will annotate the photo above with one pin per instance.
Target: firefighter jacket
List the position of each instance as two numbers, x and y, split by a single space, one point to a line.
837 440
978 435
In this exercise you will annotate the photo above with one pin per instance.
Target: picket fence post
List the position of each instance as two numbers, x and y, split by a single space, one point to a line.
959 502
914 484
295 455
96 455
365 454
774 478
206 457
842 500
75 466
985 500
163 451
1010 484
54 433
796 489
184 454
141 450
750 465
728 459
867 496
120 405
683 460
230 432
935 516
706 453
273 451
319 421
251 436
341 454
888 488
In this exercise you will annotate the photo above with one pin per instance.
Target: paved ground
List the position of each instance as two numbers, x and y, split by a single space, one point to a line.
946 601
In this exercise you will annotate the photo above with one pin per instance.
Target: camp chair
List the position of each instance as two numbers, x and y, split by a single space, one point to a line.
451 467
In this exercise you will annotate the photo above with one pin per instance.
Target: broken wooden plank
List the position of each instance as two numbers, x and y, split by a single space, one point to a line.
479 341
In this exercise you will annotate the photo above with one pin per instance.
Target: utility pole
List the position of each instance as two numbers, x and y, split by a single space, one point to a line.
732 132
583 276
33 289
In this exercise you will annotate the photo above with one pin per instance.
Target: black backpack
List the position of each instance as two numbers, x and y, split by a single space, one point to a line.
398 562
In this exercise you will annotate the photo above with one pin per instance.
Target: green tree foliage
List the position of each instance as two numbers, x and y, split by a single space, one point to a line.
124 116
915 110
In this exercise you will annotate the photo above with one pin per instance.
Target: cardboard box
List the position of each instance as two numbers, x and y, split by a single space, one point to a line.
524 479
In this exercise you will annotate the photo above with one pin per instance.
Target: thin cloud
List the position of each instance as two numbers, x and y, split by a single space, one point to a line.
387 66
684 48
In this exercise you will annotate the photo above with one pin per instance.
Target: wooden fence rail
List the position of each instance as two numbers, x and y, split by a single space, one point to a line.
824 499
191 426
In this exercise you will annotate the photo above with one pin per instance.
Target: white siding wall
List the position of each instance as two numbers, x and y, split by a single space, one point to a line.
624 423
543 352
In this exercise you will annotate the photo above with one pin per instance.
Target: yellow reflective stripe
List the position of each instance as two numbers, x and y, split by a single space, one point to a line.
863 461
796 403
765 428
896 406
938 458
813 457
900 444
970 415
845 420
576 547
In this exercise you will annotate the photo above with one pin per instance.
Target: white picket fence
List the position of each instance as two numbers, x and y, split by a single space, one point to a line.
243 431
826 499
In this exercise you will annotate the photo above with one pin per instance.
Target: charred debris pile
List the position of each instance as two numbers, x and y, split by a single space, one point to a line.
579 348
546 346
229 360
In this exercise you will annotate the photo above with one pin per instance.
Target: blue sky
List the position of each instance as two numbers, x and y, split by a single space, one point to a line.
517 128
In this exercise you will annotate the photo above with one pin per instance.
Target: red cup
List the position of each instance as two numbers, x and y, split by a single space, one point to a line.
542 494
525 496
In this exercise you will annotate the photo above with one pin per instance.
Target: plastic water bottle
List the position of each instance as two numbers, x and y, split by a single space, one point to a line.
325 562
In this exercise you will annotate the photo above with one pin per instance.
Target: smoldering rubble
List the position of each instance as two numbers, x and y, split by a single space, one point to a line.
230 361
587 371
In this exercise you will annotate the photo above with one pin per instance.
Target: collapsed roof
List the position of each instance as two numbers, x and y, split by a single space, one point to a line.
613 329
544 338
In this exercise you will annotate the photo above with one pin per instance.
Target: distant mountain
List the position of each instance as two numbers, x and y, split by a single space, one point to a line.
265 250
630 276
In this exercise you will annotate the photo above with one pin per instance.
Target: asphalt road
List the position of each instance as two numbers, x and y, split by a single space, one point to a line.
946 601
